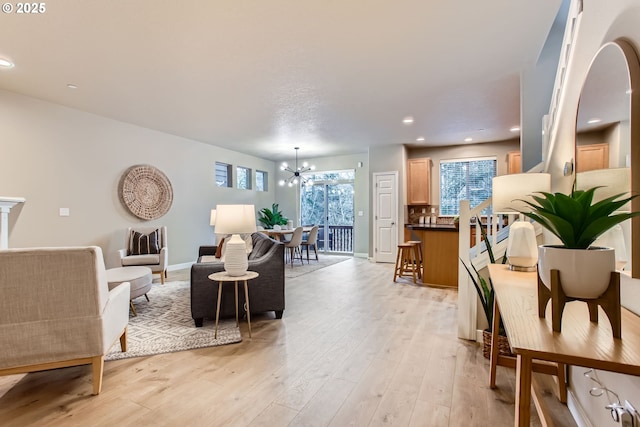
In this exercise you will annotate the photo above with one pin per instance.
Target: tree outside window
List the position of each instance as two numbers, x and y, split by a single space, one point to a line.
261 181
468 179
244 178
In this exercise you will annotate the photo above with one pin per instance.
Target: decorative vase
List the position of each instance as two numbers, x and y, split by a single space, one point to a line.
584 273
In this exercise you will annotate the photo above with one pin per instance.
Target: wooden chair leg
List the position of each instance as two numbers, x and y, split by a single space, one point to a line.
123 340
397 269
97 364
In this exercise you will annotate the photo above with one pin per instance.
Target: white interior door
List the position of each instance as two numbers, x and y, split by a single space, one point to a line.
385 217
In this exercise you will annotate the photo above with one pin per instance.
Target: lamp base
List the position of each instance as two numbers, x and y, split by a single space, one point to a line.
523 269
235 256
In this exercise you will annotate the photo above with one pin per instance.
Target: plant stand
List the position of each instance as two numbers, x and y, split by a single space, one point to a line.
609 301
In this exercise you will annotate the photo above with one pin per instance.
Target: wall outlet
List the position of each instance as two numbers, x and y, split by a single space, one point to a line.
64 211
424 210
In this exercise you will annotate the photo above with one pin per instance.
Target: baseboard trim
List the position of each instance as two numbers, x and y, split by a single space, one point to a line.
361 255
182 266
577 411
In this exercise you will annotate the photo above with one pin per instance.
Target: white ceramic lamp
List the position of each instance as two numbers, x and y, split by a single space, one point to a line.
522 248
508 193
235 220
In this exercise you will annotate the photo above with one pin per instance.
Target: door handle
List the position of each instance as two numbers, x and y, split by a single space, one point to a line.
393 223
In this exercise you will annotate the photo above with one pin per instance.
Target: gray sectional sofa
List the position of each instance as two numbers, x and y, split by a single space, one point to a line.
266 293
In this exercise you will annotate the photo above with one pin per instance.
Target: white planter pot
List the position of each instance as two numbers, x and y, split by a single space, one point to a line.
584 273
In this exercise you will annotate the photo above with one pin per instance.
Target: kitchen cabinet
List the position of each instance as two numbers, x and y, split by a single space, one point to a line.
419 181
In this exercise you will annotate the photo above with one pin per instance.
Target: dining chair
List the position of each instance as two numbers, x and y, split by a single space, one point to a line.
311 240
294 245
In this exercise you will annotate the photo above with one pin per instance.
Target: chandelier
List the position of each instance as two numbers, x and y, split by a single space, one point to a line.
296 177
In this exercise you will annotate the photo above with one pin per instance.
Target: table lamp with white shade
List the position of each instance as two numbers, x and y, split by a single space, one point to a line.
612 181
508 193
235 220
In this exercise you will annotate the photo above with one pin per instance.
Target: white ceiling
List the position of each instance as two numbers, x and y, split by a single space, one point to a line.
261 77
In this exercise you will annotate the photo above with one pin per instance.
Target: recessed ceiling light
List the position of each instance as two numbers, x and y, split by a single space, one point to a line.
420 139
515 129
468 139
594 121
72 86
5 63
407 120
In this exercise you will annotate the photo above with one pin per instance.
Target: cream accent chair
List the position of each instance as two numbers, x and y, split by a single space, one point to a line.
57 310
156 262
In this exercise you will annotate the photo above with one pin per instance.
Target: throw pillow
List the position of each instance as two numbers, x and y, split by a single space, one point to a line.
143 244
247 241
260 248
219 248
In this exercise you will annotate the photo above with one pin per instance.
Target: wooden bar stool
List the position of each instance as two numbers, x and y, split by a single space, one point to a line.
405 261
417 247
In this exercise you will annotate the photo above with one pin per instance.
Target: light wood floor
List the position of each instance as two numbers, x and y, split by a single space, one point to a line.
353 348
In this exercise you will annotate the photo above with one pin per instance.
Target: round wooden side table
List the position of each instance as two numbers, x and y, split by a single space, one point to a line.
222 277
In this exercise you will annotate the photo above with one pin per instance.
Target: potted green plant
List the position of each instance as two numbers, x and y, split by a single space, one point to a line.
577 221
270 217
486 295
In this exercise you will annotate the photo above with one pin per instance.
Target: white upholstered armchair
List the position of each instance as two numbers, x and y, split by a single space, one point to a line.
146 247
57 310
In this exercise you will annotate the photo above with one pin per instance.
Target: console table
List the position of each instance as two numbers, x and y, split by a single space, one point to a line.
533 341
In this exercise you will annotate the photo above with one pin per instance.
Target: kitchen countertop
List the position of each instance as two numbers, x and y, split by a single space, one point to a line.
431 227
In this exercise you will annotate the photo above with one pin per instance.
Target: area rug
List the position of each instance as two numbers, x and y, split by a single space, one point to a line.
323 261
164 325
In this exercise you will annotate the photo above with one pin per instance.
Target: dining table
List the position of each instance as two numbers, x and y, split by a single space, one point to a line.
279 234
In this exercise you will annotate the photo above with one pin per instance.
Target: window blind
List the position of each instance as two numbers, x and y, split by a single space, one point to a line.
467 179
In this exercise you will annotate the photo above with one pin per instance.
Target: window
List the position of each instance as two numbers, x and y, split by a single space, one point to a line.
468 179
244 178
261 181
223 175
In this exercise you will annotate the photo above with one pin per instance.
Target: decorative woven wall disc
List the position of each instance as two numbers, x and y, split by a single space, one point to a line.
146 191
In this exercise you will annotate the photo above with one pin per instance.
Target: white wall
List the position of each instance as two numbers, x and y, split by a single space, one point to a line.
60 157
602 21
389 158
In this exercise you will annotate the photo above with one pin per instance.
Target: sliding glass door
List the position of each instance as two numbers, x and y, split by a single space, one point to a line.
328 203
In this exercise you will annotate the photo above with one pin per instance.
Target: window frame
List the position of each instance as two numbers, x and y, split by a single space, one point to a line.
243 170
468 180
228 178
265 180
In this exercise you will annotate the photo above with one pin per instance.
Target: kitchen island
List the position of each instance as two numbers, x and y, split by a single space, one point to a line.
440 251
